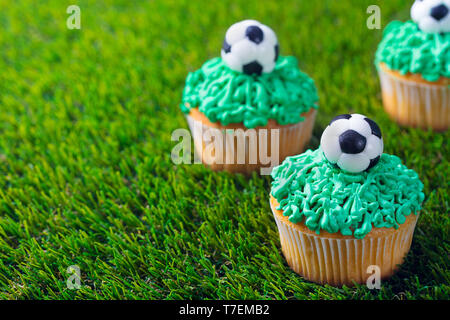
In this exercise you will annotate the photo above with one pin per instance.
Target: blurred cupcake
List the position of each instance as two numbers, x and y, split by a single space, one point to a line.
256 106
413 62
345 206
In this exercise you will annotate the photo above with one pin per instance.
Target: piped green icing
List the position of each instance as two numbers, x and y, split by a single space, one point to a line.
405 48
227 96
310 189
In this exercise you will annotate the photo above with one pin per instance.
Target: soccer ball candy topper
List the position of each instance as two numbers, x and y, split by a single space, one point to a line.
432 16
250 47
353 142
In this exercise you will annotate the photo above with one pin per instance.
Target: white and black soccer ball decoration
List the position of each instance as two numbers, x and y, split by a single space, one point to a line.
250 47
432 16
353 142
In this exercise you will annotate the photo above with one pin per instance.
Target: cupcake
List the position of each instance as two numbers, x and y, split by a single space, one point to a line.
413 62
345 206
251 107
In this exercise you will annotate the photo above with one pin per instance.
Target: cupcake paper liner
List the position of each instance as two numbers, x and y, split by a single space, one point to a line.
342 260
251 155
415 103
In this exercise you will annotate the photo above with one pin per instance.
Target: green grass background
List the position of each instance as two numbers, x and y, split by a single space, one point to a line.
85 140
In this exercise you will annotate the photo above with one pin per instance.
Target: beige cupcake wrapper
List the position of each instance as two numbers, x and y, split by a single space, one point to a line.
337 260
254 154
413 103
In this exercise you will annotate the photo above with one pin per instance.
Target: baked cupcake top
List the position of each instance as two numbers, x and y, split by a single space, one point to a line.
250 83
421 46
313 188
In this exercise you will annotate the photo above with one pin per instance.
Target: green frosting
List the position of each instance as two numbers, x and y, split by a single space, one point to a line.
310 189
227 96
405 48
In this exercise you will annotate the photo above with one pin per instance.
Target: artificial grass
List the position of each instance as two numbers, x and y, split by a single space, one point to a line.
85 143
